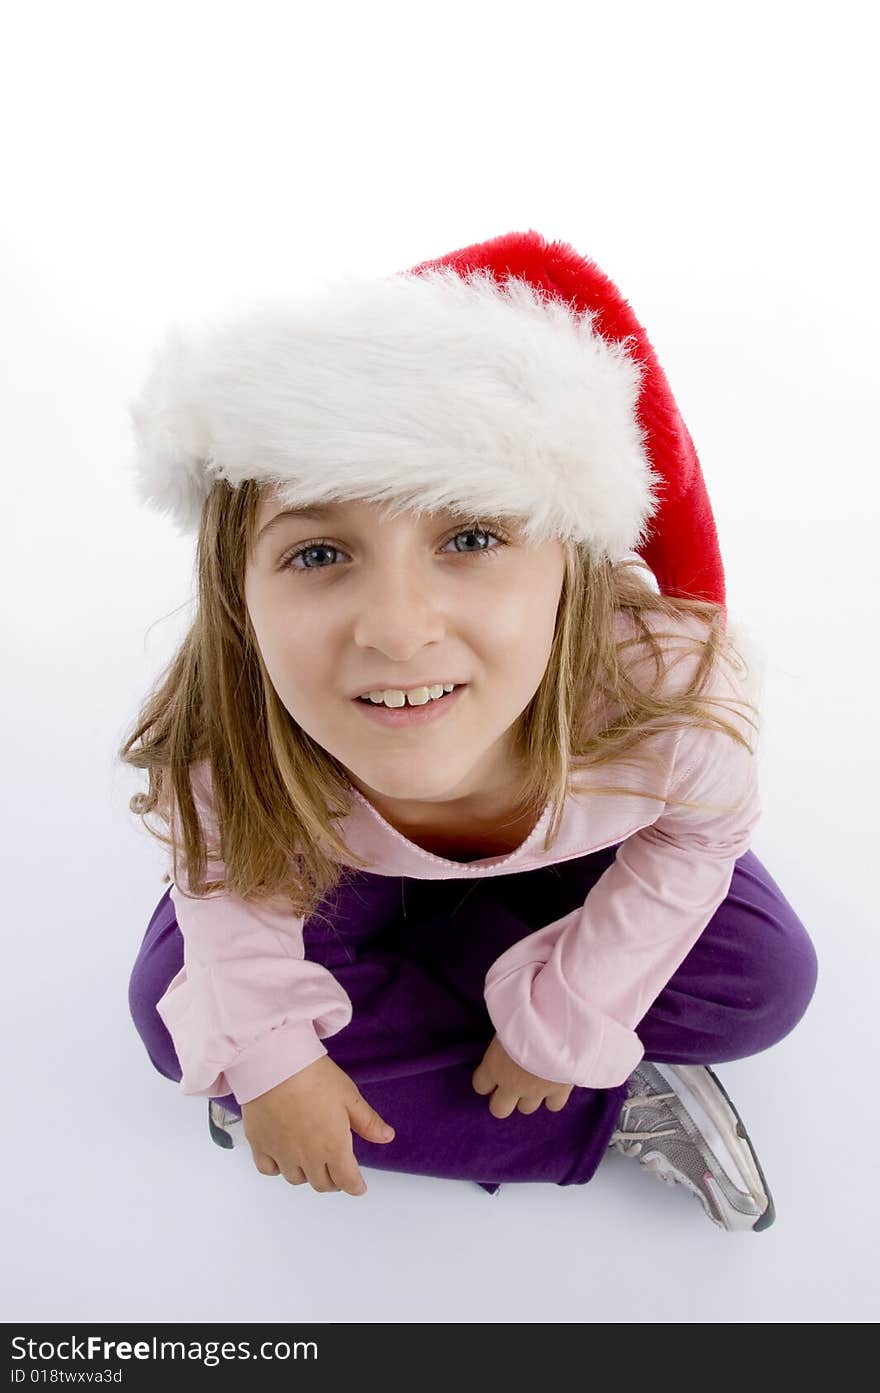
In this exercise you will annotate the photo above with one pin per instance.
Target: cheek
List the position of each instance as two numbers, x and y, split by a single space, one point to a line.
296 655
520 620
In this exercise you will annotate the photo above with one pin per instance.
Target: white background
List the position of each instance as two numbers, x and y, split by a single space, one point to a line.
718 162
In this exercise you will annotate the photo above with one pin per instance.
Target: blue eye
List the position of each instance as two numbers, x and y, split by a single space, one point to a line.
286 564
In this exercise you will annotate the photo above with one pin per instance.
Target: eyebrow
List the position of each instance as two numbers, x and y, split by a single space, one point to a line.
321 512
317 511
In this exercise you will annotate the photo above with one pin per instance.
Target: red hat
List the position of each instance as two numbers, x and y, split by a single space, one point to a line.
509 377
682 547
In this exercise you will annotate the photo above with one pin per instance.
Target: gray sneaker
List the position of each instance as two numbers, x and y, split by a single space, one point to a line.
226 1128
682 1125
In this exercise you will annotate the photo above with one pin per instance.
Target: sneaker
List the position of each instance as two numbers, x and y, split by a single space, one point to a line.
682 1125
226 1127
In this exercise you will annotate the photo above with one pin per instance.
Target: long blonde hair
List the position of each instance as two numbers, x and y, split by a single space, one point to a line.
275 792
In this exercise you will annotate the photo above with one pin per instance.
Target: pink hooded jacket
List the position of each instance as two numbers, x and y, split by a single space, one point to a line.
247 1009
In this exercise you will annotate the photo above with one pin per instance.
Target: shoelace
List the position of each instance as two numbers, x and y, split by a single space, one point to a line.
631 1143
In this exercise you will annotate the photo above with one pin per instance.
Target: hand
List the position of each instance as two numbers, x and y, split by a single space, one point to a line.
302 1128
515 1087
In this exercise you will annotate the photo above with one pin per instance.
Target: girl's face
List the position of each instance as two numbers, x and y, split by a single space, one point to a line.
345 600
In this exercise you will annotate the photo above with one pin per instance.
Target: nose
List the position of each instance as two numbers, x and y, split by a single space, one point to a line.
398 612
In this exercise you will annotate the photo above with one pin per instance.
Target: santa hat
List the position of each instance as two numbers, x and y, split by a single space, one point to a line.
509 378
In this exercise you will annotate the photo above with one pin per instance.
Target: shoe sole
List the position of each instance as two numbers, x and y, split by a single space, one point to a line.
691 1075
219 1134
769 1214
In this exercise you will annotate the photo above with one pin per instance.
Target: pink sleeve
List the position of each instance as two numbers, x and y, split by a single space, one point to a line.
566 999
247 1009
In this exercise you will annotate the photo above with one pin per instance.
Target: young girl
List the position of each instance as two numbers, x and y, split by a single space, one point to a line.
456 759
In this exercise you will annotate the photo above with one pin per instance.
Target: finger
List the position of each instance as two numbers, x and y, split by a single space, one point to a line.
264 1163
529 1105
482 1080
502 1105
556 1102
320 1179
366 1121
294 1175
346 1175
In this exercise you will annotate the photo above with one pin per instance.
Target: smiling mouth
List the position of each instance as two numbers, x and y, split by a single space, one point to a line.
406 715
434 691
406 705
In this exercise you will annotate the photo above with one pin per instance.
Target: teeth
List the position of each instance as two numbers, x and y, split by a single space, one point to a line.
417 697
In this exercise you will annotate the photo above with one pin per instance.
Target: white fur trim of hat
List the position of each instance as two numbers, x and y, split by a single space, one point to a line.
428 390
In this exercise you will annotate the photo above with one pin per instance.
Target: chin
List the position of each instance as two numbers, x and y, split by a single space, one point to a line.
411 785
